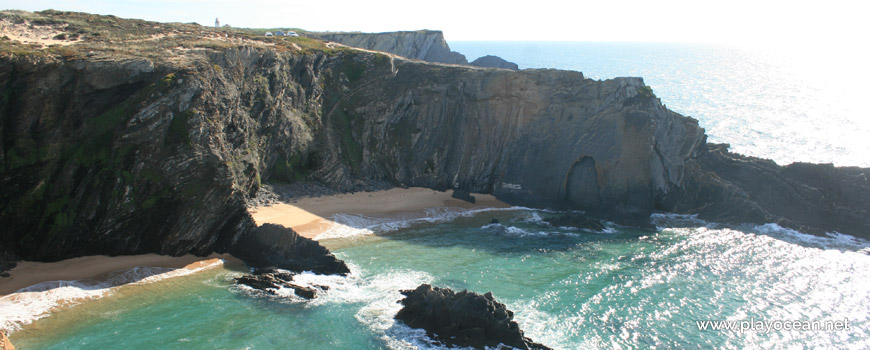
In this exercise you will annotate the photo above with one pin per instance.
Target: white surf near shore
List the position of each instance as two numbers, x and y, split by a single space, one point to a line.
37 301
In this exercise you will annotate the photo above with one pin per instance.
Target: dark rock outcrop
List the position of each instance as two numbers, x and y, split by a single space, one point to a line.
278 246
813 198
270 281
426 45
8 261
462 319
491 61
576 220
463 195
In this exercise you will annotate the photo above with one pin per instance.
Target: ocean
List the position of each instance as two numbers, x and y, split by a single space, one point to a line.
570 289
789 106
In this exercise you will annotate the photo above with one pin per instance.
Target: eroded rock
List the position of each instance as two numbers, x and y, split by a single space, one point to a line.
271 280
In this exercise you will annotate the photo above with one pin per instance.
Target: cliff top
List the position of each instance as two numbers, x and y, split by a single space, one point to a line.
75 35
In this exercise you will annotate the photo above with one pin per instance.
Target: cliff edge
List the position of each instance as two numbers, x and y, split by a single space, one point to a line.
425 45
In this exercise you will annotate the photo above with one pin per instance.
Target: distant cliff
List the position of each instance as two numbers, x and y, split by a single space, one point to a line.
153 147
426 45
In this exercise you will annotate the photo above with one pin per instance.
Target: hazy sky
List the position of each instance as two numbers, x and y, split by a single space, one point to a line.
731 21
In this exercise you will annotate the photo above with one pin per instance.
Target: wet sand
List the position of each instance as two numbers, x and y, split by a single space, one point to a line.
310 216
97 267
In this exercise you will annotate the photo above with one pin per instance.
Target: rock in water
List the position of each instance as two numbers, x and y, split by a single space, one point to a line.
576 220
270 282
462 319
276 245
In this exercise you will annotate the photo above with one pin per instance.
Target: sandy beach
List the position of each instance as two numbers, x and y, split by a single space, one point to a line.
310 216
97 267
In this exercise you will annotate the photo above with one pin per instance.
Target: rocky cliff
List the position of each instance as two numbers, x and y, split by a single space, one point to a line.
151 144
426 45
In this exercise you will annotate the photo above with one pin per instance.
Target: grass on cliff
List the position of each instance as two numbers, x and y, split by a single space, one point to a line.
75 35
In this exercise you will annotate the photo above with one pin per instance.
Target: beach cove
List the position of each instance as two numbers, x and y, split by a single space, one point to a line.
36 290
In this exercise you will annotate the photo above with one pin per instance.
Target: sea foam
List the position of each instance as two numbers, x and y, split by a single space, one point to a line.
350 225
37 301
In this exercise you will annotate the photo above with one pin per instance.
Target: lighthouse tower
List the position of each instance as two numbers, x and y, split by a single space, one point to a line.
217 24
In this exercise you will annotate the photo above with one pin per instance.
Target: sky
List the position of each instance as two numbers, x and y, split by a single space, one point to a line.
743 22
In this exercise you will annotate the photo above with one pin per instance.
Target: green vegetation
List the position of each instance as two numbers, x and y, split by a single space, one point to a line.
179 129
644 95
85 34
294 168
351 69
167 80
645 92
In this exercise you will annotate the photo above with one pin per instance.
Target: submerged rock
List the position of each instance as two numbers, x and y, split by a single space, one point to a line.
462 319
577 220
271 280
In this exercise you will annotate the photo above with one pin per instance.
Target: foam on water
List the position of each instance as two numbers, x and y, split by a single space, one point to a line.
573 289
351 225
829 240
32 303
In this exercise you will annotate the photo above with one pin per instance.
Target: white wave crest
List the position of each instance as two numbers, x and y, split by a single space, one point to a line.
37 301
351 225
829 240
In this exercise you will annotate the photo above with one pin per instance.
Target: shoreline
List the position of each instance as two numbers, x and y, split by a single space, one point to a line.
309 216
55 287
312 216
96 268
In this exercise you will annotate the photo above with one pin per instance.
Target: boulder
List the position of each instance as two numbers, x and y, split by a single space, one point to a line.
463 195
462 319
278 246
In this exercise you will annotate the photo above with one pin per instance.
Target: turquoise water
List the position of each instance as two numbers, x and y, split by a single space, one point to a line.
570 289
784 105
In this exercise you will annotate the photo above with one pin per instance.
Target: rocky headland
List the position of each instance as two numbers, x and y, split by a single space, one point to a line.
136 137
425 45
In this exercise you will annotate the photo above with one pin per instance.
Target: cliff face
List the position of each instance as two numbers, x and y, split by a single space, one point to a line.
426 45
134 153
537 137
125 155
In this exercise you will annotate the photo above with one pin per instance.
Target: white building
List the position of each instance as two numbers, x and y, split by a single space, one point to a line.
217 24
